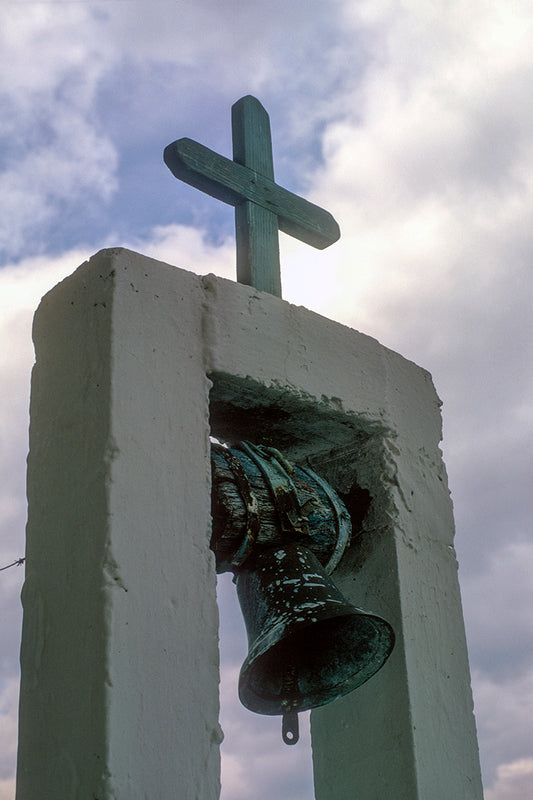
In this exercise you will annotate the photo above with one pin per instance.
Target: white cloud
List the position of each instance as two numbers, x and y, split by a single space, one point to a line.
54 146
429 164
503 710
75 162
7 789
41 47
499 599
514 781
8 731
190 247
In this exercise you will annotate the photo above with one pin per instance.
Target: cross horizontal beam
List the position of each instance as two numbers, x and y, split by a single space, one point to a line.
234 183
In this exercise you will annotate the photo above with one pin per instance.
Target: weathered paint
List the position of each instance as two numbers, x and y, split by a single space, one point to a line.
119 680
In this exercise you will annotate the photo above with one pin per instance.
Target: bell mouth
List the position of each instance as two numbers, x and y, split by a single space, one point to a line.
326 658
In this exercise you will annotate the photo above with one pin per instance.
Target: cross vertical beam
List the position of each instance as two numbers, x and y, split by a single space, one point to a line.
256 228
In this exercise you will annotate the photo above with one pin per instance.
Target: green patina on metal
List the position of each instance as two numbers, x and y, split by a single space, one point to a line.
281 529
261 206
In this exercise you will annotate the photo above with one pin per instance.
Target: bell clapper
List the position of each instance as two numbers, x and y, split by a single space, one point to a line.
289 727
291 700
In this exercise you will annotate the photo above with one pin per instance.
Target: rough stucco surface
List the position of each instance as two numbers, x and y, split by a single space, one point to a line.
119 652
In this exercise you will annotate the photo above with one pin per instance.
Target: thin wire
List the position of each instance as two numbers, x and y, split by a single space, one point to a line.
16 563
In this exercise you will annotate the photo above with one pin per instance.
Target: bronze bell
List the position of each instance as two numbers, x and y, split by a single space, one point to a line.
282 530
307 644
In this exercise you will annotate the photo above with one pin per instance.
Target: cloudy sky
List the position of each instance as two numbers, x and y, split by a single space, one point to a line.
412 122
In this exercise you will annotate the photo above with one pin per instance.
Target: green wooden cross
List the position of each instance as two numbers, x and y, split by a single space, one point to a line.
261 206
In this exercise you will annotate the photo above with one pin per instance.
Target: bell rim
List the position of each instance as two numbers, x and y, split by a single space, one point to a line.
271 705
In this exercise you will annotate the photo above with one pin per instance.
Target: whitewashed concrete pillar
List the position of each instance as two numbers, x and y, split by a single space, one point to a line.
119 693
119 653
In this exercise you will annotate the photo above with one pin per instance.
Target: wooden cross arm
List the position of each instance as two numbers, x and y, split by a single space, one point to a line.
233 183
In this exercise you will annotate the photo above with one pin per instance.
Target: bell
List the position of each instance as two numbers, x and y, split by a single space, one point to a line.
307 644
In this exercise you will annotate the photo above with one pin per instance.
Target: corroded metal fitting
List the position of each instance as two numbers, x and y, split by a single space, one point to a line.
260 499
